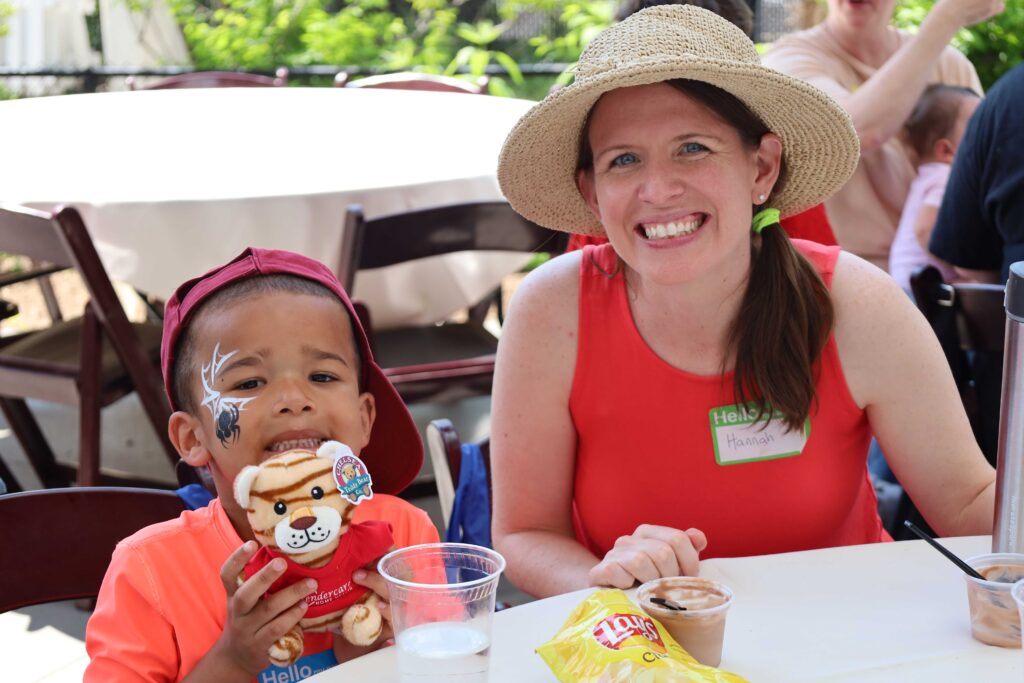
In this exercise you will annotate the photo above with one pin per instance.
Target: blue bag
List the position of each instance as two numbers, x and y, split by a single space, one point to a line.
194 496
471 511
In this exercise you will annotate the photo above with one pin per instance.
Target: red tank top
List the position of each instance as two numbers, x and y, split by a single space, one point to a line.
646 452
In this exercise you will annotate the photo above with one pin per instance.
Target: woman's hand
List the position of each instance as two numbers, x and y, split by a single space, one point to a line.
370 578
969 12
649 553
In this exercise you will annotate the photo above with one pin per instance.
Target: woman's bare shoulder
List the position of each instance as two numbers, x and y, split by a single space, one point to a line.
878 329
549 292
862 292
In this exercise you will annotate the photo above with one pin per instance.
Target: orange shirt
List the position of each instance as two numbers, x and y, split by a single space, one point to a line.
658 445
162 606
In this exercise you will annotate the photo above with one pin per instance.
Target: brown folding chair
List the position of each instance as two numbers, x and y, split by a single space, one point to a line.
411 80
58 542
214 79
449 359
90 361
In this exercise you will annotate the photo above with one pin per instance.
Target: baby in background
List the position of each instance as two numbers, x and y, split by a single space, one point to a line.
933 131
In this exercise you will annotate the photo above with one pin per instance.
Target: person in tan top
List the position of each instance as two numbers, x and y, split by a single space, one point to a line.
878 73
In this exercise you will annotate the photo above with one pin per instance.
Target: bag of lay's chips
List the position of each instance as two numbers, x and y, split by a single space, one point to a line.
608 639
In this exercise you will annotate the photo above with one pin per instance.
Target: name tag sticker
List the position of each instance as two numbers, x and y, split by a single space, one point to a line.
739 436
302 669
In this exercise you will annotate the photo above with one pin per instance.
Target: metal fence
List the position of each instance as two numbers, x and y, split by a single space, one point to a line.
772 19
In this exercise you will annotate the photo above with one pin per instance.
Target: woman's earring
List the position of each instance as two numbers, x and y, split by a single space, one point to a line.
760 197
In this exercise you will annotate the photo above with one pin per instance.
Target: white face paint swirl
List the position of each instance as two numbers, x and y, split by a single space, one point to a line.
224 409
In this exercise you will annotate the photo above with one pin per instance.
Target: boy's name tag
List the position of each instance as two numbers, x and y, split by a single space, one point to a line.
739 436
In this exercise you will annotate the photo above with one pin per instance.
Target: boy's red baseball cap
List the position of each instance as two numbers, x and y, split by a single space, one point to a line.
394 454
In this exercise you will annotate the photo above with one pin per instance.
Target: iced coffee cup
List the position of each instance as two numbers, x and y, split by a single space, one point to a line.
994 616
692 610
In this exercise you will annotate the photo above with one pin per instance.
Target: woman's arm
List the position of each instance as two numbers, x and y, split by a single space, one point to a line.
533 454
880 106
533 440
896 370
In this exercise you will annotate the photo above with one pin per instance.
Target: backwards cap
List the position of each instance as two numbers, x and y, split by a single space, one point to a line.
394 454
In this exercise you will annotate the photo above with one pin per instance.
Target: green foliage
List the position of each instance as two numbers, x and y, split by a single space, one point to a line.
367 33
6 11
390 35
994 46
254 34
578 23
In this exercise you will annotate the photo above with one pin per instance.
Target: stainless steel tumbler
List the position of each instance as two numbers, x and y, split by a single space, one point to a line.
1008 528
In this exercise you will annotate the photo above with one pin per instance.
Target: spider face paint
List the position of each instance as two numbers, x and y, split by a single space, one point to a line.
225 410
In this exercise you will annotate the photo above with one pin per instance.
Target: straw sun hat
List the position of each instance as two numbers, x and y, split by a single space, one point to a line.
537 166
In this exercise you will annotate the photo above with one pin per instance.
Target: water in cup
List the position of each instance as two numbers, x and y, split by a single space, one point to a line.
432 653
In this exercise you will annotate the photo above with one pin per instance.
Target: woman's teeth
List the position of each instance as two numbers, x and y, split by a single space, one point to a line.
307 444
658 231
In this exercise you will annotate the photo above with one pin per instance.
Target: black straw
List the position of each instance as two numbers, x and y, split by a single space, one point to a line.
668 604
968 569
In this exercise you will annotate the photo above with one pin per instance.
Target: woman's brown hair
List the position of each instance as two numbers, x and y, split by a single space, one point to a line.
786 314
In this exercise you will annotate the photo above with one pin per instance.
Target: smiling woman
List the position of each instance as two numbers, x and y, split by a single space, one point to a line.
702 386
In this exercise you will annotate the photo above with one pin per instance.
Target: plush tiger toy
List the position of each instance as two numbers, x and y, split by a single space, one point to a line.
300 505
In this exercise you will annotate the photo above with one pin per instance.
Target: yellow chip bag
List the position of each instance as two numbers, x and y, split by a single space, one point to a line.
608 639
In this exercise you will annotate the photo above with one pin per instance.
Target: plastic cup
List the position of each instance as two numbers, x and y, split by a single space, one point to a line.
995 618
442 605
1018 596
700 628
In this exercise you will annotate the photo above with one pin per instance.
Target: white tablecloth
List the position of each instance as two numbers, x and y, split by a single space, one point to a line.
173 182
888 612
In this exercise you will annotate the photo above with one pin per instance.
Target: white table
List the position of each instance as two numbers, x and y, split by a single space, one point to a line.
888 612
173 182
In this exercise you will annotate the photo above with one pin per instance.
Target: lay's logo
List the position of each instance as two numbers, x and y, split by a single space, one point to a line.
614 630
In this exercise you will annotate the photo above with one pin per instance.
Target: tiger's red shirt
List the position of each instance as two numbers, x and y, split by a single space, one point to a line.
362 543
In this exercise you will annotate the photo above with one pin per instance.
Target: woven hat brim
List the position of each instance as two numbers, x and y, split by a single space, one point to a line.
537 166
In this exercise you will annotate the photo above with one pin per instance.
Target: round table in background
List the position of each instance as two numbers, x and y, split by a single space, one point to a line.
173 182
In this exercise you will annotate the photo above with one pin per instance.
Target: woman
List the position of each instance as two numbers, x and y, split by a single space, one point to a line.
877 74
811 224
630 429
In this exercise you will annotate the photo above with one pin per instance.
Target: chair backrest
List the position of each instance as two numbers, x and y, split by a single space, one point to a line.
411 80
57 542
62 239
477 226
978 308
214 79
969 317
445 449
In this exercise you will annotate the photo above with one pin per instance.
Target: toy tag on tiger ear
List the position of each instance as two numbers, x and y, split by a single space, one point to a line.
353 479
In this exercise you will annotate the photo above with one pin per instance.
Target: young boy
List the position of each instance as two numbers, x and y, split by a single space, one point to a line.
259 356
933 131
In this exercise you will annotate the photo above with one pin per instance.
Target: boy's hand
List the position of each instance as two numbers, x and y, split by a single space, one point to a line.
253 624
344 650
